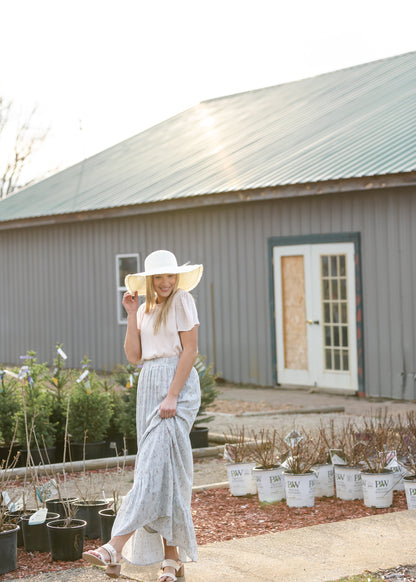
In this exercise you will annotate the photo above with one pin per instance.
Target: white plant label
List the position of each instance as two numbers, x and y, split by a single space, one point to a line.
38 517
19 504
293 438
8 501
83 376
337 457
62 353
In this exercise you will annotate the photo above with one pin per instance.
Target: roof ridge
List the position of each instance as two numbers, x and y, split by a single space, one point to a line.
286 83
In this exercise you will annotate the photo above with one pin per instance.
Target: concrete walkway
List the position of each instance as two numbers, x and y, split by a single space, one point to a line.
319 553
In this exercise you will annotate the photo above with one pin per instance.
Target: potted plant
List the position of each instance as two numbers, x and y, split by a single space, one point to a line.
59 382
268 473
89 415
66 534
114 436
346 452
8 526
323 468
378 452
90 500
35 430
238 453
128 377
407 456
209 392
299 458
10 404
107 517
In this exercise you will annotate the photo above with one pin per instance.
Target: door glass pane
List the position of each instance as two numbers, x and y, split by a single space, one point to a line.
328 340
344 312
335 312
325 288
342 267
325 267
334 289
343 286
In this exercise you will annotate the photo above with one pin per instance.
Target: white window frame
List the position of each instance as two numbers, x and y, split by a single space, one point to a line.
122 320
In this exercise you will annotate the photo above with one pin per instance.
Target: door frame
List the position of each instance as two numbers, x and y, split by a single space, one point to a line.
353 237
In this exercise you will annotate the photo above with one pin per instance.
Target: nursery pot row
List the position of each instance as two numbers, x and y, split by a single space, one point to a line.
64 538
276 484
8 549
272 484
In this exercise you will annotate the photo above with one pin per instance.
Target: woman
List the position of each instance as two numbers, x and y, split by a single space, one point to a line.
154 522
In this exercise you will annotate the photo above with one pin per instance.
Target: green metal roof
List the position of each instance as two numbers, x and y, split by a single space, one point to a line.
350 123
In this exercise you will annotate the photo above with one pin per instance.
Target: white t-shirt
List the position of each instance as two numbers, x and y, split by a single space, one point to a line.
166 343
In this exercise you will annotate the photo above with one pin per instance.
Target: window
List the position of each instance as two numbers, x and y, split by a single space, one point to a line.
125 265
335 312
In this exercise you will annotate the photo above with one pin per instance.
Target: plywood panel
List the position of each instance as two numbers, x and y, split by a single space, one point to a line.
294 313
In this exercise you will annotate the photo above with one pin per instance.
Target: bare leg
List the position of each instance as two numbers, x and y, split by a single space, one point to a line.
117 542
171 553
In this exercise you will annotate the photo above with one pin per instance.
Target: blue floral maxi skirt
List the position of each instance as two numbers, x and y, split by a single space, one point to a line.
159 503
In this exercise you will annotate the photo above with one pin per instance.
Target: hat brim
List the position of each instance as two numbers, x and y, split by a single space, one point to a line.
189 277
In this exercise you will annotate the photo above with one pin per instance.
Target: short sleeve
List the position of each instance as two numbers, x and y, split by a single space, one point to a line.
185 312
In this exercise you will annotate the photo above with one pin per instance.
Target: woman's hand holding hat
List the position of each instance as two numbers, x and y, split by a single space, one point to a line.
130 302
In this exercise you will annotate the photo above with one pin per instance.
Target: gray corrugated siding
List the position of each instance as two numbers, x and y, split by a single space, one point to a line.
58 282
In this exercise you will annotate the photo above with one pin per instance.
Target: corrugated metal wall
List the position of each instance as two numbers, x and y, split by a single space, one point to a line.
58 283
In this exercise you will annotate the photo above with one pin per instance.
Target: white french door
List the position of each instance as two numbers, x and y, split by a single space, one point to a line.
316 335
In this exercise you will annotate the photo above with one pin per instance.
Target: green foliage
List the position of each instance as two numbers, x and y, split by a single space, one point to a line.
90 407
209 391
34 426
60 382
128 377
116 403
10 404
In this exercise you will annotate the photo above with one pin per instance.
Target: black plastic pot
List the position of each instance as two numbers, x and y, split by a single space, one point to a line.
15 518
35 537
58 506
4 452
8 549
39 456
199 437
131 443
114 445
107 517
66 542
88 511
95 450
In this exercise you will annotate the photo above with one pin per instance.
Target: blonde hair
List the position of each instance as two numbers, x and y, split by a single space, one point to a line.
151 297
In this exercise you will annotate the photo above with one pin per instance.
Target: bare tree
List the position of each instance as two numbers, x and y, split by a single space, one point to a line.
19 141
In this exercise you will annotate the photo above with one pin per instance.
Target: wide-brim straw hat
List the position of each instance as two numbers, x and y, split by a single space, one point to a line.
161 263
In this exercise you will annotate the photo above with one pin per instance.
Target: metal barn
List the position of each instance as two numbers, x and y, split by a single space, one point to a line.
300 201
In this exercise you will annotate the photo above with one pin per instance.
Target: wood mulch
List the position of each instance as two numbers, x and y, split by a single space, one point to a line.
218 516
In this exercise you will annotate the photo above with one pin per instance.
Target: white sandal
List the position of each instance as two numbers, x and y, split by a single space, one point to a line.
178 567
113 567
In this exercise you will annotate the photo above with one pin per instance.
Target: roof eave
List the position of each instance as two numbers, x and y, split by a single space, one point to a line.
240 196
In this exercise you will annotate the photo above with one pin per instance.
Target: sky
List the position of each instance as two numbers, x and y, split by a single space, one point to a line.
101 71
